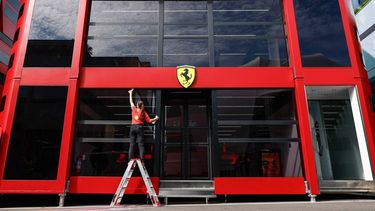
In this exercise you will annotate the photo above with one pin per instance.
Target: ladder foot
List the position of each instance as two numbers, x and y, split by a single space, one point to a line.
312 197
62 199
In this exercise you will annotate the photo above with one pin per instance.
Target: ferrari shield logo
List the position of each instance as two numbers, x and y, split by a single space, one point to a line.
186 75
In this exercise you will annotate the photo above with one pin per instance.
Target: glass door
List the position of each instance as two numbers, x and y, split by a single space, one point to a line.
186 142
340 147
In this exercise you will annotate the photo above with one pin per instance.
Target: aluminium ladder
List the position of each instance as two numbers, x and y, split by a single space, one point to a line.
125 181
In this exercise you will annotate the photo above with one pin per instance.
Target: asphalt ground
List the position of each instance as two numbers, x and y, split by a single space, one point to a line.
243 203
339 205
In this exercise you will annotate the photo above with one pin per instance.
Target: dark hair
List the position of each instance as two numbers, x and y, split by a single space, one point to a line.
139 103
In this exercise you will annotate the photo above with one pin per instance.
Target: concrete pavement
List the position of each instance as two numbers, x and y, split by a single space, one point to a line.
329 205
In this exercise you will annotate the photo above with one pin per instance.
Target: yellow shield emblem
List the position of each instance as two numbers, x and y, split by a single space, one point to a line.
186 75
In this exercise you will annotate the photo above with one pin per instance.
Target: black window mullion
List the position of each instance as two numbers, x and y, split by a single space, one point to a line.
211 45
161 34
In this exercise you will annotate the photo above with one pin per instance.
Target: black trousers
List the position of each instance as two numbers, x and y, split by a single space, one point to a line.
136 135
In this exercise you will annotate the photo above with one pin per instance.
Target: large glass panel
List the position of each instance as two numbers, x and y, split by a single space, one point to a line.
198 135
173 113
10 14
260 159
257 132
198 161
197 110
185 33
249 33
4 38
15 4
199 33
102 131
122 33
4 58
172 136
34 147
321 33
52 33
338 154
185 51
172 161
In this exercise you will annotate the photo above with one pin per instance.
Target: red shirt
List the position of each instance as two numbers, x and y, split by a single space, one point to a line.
138 118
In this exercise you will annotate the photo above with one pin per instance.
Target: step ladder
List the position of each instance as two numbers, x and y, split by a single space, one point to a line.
125 181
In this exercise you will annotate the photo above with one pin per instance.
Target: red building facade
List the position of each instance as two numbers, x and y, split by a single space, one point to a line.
8 15
296 121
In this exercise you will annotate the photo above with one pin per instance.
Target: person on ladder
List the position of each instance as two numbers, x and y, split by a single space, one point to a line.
139 117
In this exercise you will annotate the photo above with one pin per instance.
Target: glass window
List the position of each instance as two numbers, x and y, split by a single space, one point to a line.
9 13
321 34
6 39
249 33
52 33
122 33
34 147
4 58
200 33
15 4
185 33
102 131
185 51
257 133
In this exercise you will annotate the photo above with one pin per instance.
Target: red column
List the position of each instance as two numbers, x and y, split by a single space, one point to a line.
72 98
301 101
12 81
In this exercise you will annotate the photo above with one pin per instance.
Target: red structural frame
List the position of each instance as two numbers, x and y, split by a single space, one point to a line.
75 77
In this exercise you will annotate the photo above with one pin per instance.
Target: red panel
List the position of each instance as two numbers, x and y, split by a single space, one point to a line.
257 185
328 76
166 77
45 76
108 185
30 187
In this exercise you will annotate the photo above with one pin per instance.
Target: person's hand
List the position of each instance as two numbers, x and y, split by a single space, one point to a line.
155 119
131 91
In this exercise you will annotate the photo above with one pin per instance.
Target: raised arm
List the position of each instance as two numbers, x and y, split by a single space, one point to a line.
131 98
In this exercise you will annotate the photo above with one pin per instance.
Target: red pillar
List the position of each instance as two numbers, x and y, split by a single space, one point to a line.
12 81
72 98
301 102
